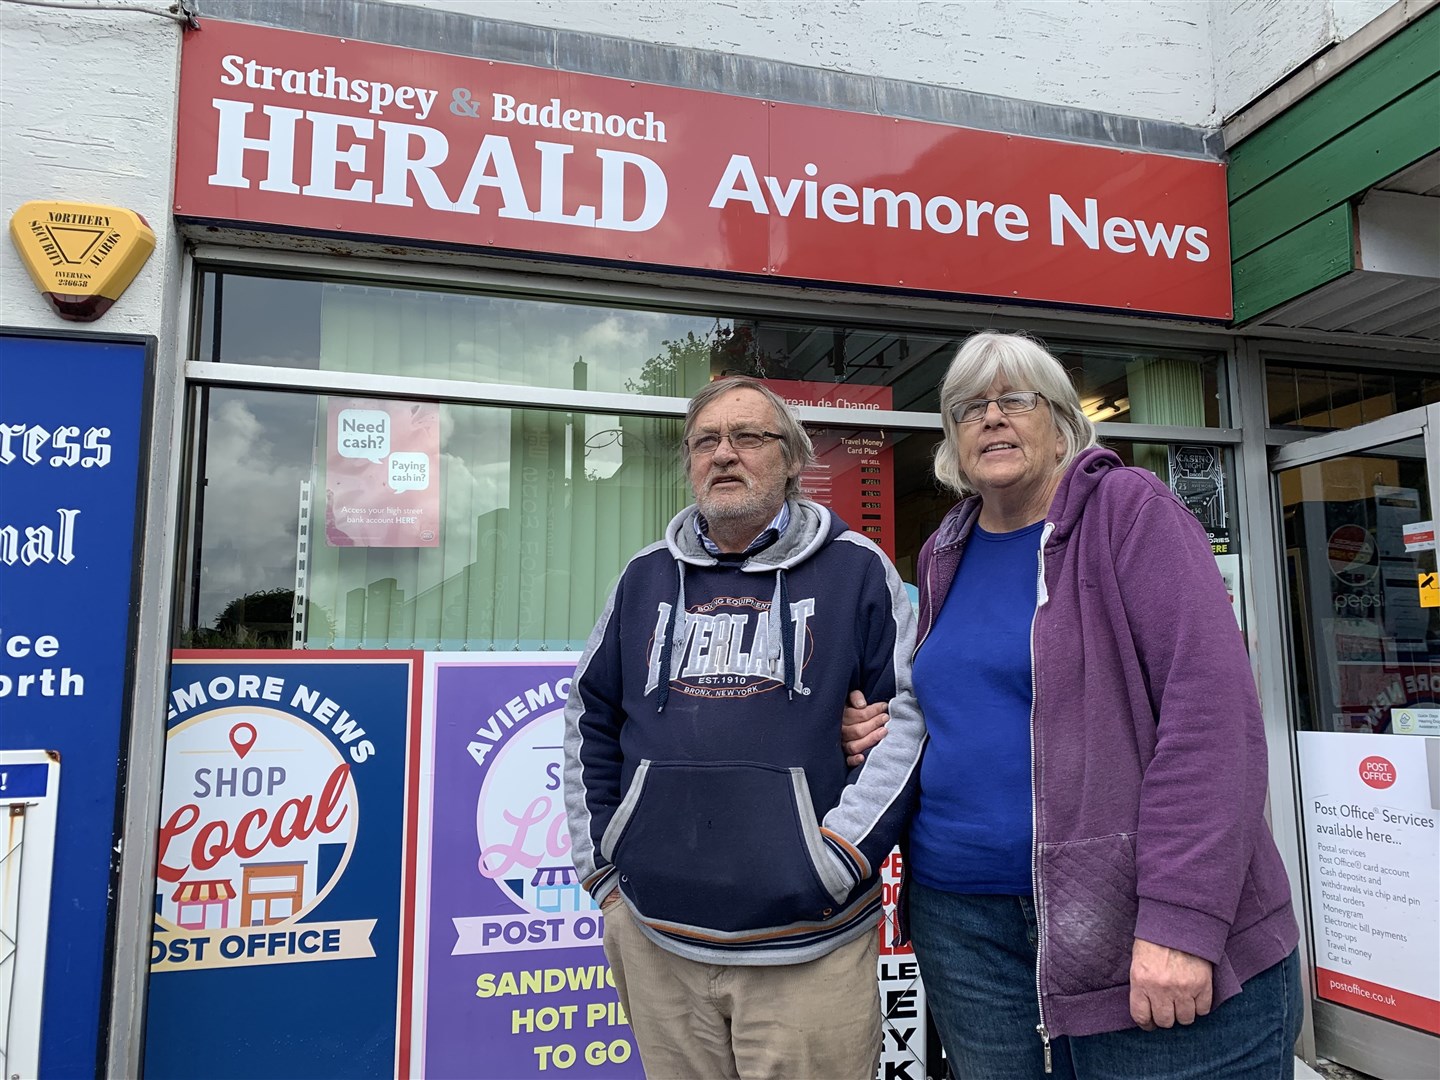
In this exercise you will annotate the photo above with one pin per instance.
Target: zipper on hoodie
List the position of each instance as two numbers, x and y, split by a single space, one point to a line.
930 593
1041 597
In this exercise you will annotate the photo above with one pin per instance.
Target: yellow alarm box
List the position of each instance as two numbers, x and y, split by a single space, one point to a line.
82 257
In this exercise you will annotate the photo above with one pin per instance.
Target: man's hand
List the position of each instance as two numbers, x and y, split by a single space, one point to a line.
861 727
1167 986
611 899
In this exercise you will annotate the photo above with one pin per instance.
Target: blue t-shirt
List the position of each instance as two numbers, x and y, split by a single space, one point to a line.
974 829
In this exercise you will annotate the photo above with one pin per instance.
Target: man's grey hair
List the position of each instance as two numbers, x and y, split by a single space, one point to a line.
795 445
1025 364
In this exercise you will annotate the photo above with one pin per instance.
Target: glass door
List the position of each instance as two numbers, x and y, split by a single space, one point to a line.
1357 529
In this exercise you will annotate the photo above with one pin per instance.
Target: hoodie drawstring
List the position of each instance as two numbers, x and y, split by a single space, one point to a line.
674 633
779 609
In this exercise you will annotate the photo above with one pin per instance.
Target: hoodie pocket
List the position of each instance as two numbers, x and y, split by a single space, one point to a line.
726 845
1090 910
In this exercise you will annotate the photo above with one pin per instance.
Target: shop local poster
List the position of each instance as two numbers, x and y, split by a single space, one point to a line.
284 901
513 980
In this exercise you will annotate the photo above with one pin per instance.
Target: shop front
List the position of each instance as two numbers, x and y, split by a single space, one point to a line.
1350 464
445 315
439 320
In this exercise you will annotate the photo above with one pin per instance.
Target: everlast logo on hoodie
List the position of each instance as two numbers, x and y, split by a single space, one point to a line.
729 648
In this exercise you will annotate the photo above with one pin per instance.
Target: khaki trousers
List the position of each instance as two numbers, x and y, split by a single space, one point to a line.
814 1021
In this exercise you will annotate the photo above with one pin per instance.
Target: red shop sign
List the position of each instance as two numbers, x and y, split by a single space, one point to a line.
331 135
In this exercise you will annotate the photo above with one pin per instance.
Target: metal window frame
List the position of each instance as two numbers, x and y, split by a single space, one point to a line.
696 296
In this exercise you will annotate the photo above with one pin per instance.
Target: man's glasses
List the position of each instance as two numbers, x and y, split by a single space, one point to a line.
1021 401
707 444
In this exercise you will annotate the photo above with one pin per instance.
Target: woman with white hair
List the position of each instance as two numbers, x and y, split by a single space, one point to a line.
1091 887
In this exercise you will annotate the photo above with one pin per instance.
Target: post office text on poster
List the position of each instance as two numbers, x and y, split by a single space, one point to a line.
1371 805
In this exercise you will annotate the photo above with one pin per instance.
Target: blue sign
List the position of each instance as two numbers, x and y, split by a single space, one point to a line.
284 906
21 782
73 425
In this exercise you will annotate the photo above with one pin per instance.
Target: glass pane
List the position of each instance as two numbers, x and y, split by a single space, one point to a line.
327 522
382 329
1366 680
1363 644
1330 399
1281 395
1144 386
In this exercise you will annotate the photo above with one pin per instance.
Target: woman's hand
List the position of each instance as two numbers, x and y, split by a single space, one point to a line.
861 727
1167 986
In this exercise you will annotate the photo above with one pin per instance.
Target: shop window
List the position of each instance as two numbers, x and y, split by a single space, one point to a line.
1328 399
323 522
377 329
524 341
462 527
434 526
1365 645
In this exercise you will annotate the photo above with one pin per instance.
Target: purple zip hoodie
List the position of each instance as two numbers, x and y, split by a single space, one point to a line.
1148 748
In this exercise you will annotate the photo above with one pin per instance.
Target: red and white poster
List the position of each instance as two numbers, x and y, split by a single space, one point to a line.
382 474
346 137
854 472
1371 804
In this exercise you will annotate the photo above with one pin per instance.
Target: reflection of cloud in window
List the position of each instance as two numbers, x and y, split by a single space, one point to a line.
470 491
252 498
474 471
540 344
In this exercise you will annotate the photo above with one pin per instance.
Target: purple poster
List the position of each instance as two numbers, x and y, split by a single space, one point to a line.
513 980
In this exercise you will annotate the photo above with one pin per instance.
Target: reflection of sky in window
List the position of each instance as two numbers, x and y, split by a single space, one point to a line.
261 447
257 455
440 335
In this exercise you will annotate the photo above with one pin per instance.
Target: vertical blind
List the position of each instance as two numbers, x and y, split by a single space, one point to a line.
539 509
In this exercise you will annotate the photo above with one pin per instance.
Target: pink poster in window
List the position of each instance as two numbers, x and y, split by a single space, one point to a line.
382 474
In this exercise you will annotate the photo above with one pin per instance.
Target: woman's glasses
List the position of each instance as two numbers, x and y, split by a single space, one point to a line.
1021 401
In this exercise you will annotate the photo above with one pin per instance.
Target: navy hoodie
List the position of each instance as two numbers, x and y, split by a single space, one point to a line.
716 798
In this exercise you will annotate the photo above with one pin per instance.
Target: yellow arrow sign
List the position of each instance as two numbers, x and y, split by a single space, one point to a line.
1430 590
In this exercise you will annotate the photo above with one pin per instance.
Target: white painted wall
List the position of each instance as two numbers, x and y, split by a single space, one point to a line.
1149 59
1184 61
87 114
1351 15
1257 43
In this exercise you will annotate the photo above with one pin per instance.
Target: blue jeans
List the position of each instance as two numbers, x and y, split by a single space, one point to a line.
977 961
